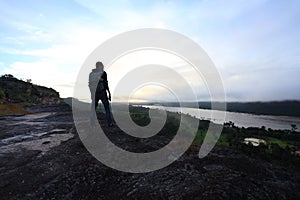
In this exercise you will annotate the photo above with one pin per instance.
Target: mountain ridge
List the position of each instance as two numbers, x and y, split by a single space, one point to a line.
13 90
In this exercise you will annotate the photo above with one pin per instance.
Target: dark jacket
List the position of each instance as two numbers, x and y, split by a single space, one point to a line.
105 82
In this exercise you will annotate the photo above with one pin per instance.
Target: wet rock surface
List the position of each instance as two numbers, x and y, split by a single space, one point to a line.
66 170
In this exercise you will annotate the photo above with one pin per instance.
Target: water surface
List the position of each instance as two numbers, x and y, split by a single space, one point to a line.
239 119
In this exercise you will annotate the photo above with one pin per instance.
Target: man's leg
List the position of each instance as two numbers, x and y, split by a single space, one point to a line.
92 113
105 103
93 110
97 98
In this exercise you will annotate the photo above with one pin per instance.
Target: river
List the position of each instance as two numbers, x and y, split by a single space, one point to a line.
239 119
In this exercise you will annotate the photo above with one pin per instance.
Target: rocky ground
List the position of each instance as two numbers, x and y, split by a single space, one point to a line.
42 157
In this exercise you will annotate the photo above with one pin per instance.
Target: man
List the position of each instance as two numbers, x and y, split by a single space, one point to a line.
98 85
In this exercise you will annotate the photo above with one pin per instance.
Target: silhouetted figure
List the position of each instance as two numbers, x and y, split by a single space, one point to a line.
98 85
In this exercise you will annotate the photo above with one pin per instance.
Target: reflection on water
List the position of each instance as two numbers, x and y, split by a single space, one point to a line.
239 119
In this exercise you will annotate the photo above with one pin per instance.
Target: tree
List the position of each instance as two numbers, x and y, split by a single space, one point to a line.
293 127
7 76
229 124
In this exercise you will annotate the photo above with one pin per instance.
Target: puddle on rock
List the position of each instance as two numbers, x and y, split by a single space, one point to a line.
42 144
20 138
35 116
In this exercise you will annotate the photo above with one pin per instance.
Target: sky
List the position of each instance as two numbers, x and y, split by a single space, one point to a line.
255 45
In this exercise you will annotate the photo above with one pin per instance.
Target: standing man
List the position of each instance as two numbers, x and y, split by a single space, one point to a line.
98 85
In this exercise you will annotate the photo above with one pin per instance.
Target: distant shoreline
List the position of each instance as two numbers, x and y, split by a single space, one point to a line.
289 108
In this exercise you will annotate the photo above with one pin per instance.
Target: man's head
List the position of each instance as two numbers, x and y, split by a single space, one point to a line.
99 65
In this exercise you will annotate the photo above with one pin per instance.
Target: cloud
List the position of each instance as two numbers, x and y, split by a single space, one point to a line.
249 41
126 15
57 64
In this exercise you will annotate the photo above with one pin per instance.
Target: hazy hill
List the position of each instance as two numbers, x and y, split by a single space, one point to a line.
285 108
13 90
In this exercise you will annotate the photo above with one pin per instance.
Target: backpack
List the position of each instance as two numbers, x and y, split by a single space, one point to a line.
94 82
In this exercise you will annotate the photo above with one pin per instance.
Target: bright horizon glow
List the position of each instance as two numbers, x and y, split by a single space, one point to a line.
254 44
